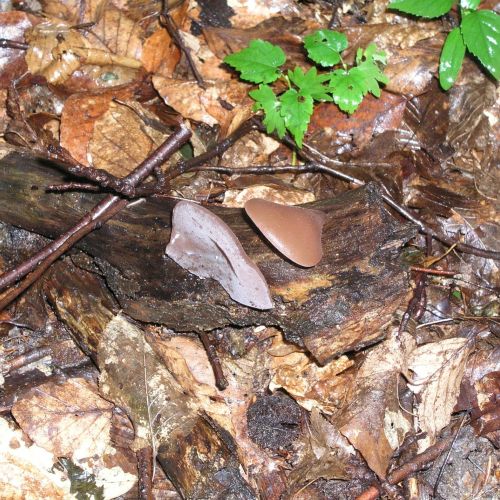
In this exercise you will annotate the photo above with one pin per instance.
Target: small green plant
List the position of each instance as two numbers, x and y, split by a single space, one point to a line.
291 109
479 32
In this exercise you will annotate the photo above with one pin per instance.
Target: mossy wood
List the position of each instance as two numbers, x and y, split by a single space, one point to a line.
341 304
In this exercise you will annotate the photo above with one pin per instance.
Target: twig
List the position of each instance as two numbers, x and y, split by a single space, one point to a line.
428 270
145 473
167 21
12 44
416 464
441 470
103 211
213 357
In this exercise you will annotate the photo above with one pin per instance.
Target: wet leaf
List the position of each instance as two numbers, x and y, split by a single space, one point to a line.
28 468
452 57
373 420
435 372
12 63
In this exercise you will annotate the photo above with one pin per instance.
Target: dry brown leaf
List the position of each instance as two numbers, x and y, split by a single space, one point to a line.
118 34
249 14
160 55
195 103
27 471
70 419
12 63
74 11
435 371
79 116
121 140
312 386
252 149
373 421
238 198
56 51
326 454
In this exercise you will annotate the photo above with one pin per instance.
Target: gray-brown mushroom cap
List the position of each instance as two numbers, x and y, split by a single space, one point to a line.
205 245
294 231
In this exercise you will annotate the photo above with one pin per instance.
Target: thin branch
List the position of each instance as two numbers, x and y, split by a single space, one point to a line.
12 44
167 22
103 211
220 379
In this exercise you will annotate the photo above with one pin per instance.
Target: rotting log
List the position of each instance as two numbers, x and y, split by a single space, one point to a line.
341 304
197 456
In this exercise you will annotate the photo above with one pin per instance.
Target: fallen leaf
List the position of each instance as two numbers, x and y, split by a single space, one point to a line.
373 420
70 419
326 453
28 469
12 63
121 139
238 198
435 371
321 387
74 11
195 103
79 115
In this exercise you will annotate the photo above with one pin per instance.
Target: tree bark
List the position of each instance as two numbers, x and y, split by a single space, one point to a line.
342 304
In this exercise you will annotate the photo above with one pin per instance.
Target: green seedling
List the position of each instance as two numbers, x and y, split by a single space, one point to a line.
479 33
291 110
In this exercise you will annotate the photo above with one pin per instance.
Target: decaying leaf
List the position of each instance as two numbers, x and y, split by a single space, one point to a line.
312 386
121 139
56 51
373 420
238 198
12 64
28 469
435 371
327 454
225 103
71 420
79 115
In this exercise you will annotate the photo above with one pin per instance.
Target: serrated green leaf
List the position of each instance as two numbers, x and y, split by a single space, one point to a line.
423 8
481 34
324 46
296 110
470 4
310 83
451 59
371 75
348 89
259 62
266 100
371 53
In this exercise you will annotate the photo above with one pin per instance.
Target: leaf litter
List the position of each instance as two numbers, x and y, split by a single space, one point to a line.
104 92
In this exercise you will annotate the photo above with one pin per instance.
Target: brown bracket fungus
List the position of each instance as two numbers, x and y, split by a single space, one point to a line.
294 231
204 245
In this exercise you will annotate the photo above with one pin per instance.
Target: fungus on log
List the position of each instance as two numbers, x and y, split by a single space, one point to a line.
204 244
294 231
340 305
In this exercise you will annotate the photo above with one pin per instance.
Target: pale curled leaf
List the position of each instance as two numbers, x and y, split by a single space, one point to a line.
373 421
28 468
435 371
200 105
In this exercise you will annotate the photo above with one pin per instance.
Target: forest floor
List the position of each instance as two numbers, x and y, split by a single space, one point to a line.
325 321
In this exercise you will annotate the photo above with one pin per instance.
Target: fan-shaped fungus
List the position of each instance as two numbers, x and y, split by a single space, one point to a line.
294 231
204 245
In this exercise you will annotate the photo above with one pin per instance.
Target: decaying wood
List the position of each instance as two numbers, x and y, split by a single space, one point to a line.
341 304
197 456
